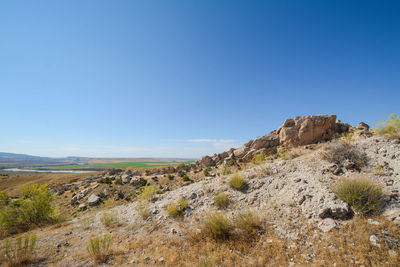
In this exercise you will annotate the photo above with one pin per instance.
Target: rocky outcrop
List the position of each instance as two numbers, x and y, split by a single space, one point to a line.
294 132
307 130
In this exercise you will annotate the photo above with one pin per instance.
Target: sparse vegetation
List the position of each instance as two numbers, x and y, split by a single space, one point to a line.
339 152
259 158
118 181
237 181
221 200
33 208
226 170
247 223
348 136
390 127
286 154
143 209
216 225
175 210
20 251
185 178
100 248
170 177
105 180
109 219
148 192
362 193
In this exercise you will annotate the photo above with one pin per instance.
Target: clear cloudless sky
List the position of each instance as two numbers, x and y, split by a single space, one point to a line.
187 78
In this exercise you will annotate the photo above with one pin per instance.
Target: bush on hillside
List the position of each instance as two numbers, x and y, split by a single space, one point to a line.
99 248
339 152
362 193
20 252
247 223
390 127
34 207
221 200
216 225
237 181
175 210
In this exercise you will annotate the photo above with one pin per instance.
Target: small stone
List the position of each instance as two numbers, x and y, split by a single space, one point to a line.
327 225
297 180
374 240
371 221
389 183
161 259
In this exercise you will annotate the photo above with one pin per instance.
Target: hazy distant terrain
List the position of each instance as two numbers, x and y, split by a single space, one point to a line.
12 160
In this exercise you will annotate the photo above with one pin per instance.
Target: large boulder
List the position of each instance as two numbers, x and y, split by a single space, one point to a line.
93 200
207 161
79 196
307 130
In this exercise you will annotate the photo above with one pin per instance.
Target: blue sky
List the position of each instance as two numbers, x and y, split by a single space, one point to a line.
187 78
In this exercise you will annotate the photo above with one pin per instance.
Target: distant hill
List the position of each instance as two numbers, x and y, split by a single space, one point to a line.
8 160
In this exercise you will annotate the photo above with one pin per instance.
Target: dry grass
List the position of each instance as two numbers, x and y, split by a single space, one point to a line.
237 181
221 200
19 252
349 246
14 183
216 225
175 210
143 209
100 248
110 219
339 152
247 223
361 192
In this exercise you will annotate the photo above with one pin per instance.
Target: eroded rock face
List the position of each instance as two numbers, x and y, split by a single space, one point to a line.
307 130
207 161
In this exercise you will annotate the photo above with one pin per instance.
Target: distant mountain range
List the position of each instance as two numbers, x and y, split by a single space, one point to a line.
8 160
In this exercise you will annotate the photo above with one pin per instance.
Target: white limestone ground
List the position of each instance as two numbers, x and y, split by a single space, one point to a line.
285 192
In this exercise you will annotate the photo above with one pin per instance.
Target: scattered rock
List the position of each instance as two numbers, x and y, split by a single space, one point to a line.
93 200
327 225
374 240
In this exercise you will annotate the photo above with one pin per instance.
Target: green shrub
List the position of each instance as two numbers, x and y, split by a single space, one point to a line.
99 248
226 170
143 209
221 200
105 181
34 207
175 210
206 172
247 223
338 152
216 225
109 219
170 177
362 193
390 127
237 181
118 181
259 158
20 252
143 182
285 154
148 192
185 178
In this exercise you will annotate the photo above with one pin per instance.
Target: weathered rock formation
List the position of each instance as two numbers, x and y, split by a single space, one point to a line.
302 130
307 130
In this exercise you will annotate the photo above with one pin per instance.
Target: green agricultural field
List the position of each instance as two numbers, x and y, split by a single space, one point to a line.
103 166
